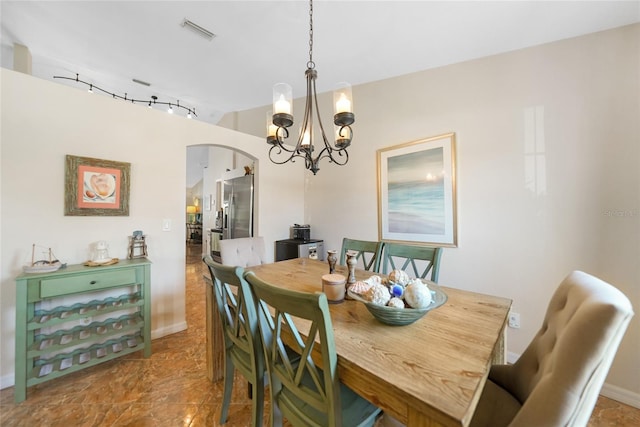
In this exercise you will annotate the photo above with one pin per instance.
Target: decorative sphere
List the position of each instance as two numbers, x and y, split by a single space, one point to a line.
397 291
417 294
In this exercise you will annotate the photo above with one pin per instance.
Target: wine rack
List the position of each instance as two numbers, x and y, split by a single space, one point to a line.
53 339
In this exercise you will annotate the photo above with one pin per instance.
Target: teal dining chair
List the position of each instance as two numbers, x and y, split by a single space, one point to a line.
243 347
400 256
306 392
369 252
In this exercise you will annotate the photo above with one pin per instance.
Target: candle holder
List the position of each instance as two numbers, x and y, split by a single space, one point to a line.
351 266
332 259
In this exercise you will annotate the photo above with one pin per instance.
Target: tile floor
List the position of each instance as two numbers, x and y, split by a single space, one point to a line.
170 388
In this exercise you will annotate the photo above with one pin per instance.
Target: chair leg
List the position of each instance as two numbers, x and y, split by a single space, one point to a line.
228 388
257 402
275 414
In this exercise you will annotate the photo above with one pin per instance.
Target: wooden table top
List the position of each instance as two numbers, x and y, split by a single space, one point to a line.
428 373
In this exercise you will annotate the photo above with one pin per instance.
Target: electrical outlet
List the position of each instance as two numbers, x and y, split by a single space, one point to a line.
514 320
86 320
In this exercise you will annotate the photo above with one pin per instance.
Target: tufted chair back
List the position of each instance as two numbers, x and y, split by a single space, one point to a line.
243 252
557 379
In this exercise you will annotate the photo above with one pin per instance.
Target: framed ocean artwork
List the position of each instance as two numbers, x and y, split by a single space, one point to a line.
417 192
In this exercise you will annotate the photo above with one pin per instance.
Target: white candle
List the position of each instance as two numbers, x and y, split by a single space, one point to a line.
282 106
272 129
343 105
306 139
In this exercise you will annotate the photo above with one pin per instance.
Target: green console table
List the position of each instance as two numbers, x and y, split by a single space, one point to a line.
54 339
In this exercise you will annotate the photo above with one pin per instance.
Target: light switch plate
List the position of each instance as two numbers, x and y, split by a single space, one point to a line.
166 225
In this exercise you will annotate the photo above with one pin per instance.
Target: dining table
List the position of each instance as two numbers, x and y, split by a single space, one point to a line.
428 373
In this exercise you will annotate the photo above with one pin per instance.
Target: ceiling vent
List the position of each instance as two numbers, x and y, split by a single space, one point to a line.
198 29
141 82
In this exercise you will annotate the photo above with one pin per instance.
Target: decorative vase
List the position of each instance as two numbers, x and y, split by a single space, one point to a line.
332 259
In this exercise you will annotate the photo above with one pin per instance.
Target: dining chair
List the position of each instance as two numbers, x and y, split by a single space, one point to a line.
369 252
306 392
243 252
243 347
422 259
556 381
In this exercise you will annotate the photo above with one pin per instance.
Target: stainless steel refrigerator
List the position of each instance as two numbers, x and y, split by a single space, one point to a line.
237 205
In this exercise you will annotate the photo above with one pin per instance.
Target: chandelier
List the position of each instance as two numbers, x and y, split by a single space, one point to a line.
282 119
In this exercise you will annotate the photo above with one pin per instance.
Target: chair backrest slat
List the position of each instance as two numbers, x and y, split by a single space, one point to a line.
368 251
401 256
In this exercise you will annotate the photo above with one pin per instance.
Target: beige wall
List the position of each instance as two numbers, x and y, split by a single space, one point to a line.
517 237
41 122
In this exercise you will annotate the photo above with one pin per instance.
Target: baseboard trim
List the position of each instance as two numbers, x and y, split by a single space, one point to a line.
512 357
171 329
621 395
9 380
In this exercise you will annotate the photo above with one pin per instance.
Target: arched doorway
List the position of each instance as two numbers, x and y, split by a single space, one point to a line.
207 166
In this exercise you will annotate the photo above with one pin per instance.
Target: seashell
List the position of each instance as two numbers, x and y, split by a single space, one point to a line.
396 302
399 277
360 287
378 294
374 279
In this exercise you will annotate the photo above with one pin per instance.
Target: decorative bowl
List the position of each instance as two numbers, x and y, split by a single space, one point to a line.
403 316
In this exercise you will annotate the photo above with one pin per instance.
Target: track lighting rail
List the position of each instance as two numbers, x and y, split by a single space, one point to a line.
150 102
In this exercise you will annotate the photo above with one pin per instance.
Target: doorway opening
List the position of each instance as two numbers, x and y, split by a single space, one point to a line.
208 166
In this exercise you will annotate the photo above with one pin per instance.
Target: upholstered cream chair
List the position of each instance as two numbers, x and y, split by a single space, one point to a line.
243 252
557 379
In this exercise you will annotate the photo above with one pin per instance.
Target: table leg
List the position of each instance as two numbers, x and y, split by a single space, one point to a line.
500 350
214 339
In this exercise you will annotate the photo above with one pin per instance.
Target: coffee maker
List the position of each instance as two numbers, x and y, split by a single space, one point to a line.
301 232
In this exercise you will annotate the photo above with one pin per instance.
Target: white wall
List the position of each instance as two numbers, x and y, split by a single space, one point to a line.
580 97
41 122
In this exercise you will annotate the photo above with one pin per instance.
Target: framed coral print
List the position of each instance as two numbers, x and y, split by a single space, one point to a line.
96 187
417 192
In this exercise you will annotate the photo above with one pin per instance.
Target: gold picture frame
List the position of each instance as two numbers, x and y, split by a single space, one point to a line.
417 192
96 187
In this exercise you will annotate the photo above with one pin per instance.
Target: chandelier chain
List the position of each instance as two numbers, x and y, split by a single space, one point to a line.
311 64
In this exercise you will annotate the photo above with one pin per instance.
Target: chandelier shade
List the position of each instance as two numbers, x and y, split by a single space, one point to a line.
308 147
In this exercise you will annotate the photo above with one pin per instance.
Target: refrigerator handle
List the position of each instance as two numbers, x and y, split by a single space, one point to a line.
231 216
225 224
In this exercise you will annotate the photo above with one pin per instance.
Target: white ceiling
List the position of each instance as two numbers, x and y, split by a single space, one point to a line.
260 43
